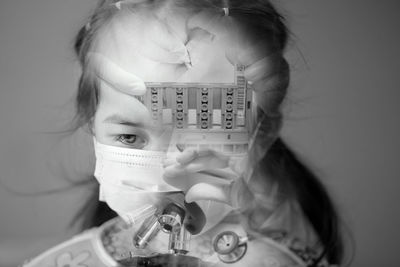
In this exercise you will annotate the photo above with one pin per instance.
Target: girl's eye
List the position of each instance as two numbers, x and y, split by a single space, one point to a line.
132 140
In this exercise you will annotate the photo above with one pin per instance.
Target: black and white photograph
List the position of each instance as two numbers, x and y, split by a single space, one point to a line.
199 133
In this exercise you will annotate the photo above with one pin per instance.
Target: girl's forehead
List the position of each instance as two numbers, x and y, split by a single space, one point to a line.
175 48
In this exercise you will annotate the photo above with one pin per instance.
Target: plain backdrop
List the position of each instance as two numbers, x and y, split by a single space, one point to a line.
341 117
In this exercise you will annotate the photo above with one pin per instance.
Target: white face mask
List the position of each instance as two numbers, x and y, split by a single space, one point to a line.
130 179
132 184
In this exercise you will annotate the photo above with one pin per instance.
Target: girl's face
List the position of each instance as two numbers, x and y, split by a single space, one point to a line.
177 48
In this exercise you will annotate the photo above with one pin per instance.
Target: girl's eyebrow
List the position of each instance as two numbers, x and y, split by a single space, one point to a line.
117 119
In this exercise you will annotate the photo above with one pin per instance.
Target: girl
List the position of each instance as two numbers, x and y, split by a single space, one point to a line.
277 208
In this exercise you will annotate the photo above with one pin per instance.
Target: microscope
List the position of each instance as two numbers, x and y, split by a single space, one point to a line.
179 220
204 116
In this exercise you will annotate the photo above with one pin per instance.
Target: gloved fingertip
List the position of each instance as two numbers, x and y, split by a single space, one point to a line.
137 88
186 156
171 180
174 171
132 85
189 198
203 191
194 193
168 162
169 172
192 196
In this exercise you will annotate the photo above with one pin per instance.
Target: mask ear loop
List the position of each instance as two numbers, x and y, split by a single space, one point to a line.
261 130
249 172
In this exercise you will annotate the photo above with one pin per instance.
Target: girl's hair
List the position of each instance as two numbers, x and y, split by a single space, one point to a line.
261 21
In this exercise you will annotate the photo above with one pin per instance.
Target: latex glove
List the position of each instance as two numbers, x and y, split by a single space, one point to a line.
116 76
267 72
208 175
151 43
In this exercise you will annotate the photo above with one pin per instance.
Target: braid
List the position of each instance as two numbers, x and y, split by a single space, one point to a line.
264 26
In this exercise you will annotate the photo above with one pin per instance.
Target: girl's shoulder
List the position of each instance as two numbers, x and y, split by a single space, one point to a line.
85 249
287 229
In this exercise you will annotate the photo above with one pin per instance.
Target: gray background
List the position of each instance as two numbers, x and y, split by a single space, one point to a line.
341 116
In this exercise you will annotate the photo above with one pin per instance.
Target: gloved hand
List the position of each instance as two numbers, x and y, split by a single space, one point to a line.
208 175
218 178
